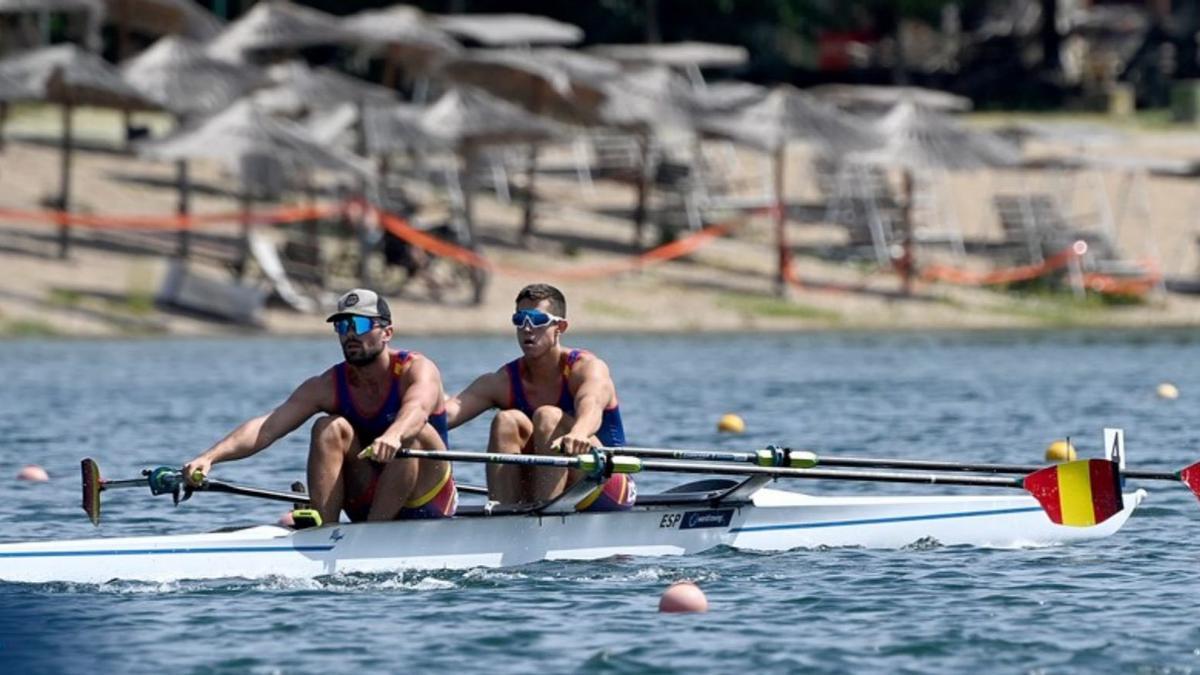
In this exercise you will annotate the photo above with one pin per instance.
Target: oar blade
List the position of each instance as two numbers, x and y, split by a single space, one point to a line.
1078 494
1191 478
91 489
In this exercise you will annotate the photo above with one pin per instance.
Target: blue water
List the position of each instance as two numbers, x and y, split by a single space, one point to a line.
1123 604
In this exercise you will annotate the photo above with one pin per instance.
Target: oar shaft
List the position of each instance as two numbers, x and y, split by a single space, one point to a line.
862 462
627 464
825 474
246 491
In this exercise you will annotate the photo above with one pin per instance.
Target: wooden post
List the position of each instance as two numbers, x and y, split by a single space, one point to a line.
64 194
643 189
907 259
183 209
530 185
785 255
247 203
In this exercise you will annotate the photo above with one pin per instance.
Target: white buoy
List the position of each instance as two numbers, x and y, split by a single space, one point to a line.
1168 391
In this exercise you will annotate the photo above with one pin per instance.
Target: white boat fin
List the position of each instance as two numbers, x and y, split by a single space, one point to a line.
1114 446
744 491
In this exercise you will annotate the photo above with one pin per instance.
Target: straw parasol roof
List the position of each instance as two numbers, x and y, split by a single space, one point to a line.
69 75
412 36
675 54
498 30
244 130
165 17
180 76
867 98
467 115
788 114
726 96
919 138
277 24
298 87
556 82
655 99
396 127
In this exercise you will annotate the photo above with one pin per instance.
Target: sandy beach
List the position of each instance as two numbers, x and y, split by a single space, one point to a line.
725 286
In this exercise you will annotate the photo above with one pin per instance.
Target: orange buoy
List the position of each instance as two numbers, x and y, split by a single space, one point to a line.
683 596
33 473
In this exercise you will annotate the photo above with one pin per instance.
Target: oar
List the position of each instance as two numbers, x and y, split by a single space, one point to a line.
786 457
167 480
1081 493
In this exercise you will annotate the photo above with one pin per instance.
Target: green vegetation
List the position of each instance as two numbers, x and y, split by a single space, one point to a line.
602 308
27 328
774 308
1058 309
65 297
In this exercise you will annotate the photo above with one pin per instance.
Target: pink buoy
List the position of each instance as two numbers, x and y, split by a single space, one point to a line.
286 520
683 596
34 473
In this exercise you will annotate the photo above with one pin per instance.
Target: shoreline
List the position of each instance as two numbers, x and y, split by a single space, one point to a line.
724 288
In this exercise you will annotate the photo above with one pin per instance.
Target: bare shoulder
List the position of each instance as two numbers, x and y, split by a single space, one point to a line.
587 365
318 391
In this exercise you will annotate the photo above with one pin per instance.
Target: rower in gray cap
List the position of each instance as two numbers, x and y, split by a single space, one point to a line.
379 399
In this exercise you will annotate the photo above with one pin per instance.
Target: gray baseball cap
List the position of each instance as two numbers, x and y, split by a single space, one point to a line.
362 302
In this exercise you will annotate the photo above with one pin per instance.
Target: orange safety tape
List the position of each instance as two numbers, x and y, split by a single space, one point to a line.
1099 283
173 222
680 247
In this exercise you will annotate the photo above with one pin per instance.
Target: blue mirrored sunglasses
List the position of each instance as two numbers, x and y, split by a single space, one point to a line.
536 318
361 324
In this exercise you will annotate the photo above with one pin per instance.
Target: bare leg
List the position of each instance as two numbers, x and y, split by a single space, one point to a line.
511 431
331 462
549 422
404 479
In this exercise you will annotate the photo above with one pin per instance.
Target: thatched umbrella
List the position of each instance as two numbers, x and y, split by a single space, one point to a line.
465 119
298 88
411 37
688 57
161 17
558 83
868 98
69 76
786 115
652 102
921 139
181 77
501 30
243 132
278 25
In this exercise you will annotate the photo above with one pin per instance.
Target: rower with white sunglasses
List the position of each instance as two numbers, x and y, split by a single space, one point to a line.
551 400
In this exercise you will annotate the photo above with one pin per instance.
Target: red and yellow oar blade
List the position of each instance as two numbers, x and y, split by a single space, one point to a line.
1079 494
91 489
1191 478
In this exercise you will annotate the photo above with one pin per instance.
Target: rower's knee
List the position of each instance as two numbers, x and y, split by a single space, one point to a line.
332 434
547 417
510 426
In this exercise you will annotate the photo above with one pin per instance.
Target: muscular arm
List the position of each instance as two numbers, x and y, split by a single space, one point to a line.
422 395
594 389
259 432
486 392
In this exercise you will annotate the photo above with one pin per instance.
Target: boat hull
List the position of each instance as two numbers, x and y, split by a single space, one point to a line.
776 520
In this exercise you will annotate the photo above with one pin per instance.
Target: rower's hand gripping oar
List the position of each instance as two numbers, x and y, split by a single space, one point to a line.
1078 494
